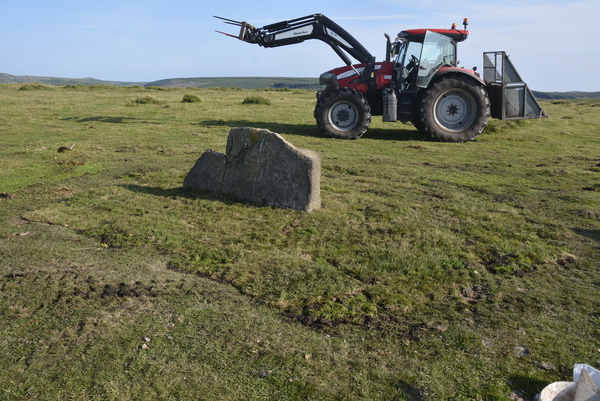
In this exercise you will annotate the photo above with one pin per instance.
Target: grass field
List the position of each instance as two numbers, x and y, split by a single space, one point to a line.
433 271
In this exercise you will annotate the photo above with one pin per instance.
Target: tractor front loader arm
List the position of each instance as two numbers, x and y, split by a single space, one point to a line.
316 26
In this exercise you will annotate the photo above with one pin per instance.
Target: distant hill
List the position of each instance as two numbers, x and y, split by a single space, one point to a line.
566 95
231 82
26 79
239 82
209 82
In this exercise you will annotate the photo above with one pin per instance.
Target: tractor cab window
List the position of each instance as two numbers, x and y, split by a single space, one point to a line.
407 61
438 50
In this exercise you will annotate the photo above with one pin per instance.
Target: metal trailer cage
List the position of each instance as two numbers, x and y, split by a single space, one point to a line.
510 97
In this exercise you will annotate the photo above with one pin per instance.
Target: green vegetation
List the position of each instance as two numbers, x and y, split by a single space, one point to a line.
433 271
34 86
567 95
23 79
241 82
191 99
146 100
228 82
257 100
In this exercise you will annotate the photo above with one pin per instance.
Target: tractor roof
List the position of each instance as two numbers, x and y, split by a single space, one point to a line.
418 35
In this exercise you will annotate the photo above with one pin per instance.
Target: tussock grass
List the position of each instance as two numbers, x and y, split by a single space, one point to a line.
433 271
257 100
191 99
145 100
34 86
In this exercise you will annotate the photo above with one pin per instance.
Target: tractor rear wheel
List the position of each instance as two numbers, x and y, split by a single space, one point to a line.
453 109
343 113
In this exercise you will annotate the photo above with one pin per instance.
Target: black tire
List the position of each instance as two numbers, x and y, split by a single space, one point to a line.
343 113
453 109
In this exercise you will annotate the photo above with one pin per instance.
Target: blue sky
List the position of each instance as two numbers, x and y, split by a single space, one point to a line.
555 45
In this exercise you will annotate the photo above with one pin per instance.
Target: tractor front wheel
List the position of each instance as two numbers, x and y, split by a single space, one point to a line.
342 113
453 109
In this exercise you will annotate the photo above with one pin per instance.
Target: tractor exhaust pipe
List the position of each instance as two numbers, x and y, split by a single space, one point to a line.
388 48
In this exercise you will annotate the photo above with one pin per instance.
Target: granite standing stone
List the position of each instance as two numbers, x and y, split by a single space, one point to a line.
260 166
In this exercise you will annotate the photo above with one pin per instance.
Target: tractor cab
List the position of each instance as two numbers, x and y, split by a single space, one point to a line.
418 54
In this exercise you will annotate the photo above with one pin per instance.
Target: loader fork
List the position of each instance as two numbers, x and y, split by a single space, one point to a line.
248 33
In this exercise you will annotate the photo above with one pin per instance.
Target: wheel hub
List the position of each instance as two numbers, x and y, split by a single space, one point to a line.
455 111
343 116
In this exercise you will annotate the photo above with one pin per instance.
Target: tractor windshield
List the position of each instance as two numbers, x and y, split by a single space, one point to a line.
438 50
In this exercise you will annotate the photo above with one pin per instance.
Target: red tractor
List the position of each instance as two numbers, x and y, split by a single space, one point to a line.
419 81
